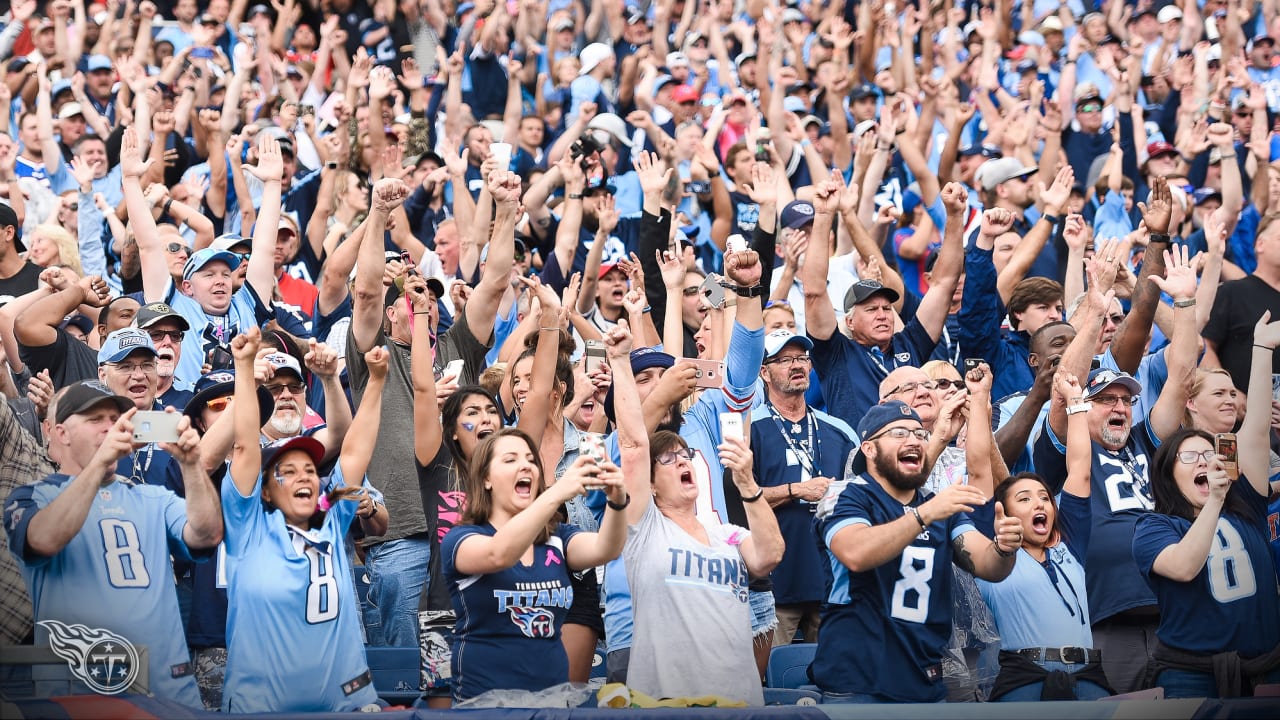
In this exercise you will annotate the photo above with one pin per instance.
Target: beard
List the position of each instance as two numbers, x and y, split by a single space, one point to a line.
287 426
888 469
1113 437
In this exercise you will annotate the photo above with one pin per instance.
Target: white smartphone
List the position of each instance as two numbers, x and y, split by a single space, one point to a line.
731 426
454 369
595 355
154 426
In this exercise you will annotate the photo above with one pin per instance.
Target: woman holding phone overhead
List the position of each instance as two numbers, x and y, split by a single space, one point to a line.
292 610
1204 552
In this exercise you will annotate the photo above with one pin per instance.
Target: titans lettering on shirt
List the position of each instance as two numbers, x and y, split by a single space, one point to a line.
552 593
691 567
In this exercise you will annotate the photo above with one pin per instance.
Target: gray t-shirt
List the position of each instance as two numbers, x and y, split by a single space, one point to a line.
692 632
395 469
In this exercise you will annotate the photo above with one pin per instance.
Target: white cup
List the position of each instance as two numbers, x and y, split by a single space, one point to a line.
501 154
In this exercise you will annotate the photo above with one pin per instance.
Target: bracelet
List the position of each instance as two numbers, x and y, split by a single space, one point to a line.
1053 219
806 143
167 204
550 329
1158 238
373 512
1070 61
790 495
646 309
754 498
1191 302
1264 347
1004 553
619 506
916 513
573 196
1082 407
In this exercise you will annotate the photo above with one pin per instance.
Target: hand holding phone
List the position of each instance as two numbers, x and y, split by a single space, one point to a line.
155 426
594 355
1225 445
710 372
731 426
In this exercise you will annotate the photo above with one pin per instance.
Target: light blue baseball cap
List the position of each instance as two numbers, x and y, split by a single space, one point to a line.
203 257
124 342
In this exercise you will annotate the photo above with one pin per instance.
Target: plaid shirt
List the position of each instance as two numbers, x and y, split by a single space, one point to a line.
22 462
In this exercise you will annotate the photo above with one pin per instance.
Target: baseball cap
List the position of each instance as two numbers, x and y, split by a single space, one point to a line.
862 91
791 15
70 110
743 57
606 267
203 257
207 19
1260 38
282 361
1087 91
124 342
1160 147
1168 13
152 313
221 383
864 290
874 421
1203 194
797 214
643 359
793 104
1053 23
228 241
84 396
684 94
83 322
8 218
1102 378
287 223
60 87
98 62
778 339
611 124
311 446
1001 170
592 55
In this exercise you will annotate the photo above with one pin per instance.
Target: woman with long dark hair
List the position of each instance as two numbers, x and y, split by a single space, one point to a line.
1204 552
1042 609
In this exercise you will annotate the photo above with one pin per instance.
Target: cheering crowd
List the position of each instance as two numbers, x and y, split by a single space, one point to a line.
939 335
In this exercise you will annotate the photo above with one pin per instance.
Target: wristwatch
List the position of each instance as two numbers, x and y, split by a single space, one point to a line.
331 165
740 291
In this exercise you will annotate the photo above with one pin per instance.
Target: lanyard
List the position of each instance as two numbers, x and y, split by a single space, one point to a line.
140 476
1140 482
1051 568
807 459
953 354
875 355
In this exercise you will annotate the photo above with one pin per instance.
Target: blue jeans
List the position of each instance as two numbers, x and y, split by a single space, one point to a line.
1085 690
763 615
849 699
397 572
1190 684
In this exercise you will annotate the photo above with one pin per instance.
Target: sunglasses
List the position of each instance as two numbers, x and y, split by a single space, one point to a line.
1091 107
691 291
945 384
776 303
174 335
218 404
176 248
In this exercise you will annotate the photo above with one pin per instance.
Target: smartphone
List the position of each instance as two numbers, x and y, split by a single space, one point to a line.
205 53
407 259
1225 445
731 426
306 109
454 369
1275 388
592 445
710 372
763 138
735 244
594 355
712 292
154 426
697 187
218 358
972 364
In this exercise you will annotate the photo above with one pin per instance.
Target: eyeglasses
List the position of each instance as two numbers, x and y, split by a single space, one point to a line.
176 248
1189 457
174 335
691 291
911 387
901 433
218 404
1243 114
670 456
1091 107
1111 400
131 368
945 384
294 388
72 206
790 361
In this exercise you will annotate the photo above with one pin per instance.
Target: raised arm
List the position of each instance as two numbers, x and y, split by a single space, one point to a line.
357 446
155 267
1183 350
427 432
482 308
246 452
367 294
936 304
1055 202
270 169
1079 446
1255 433
1130 342
820 317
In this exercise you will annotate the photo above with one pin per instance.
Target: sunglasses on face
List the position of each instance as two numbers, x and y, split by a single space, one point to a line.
219 404
174 335
1091 107
690 291
176 248
294 388
944 384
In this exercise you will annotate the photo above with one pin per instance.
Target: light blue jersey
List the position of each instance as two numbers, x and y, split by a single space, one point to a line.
210 331
115 574
293 632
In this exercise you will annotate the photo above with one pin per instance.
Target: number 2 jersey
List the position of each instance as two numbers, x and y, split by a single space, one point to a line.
884 630
293 624
115 574
1232 603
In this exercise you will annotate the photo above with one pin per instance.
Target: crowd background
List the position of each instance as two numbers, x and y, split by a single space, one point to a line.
981 216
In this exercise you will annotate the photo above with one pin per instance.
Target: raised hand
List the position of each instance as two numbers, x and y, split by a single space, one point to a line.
1008 531
1073 232
117 443
378 360
40 391
389 194
618 341
763 189
58 278
735 455
1158 208
96 291
270 167
956 199
1179 281
743 268
381 82
186 450
1265 332
82 171
1068 386
321 359
131 164
245 345
607 214
654 175
1056 195
996 222
504 186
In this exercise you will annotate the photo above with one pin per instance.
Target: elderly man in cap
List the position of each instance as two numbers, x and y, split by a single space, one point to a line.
167 330
128 367
96 548
890 543
288 388
851 368
817 448
1122 607
206 296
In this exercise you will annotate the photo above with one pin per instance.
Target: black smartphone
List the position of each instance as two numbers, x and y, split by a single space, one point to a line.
972 364
219 358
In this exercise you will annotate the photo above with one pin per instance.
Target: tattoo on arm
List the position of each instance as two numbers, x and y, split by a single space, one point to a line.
962 558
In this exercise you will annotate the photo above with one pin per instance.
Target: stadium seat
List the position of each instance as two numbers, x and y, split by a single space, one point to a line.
791 696
789 666
396 673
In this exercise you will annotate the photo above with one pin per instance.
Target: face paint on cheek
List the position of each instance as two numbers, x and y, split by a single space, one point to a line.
278 476
469 427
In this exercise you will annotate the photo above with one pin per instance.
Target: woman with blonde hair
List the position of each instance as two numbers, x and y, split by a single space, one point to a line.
51 245
1213 405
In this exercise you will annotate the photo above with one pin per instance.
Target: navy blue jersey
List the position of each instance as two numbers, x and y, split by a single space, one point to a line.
786 456
1231 604
1119 495
508 630
851 373
883 631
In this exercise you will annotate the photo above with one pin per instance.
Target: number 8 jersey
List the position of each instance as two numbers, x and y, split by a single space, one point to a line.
884 630
293 632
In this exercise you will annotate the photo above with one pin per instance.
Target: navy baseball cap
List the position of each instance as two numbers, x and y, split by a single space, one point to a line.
862 91
86 395
643 359
9 218
124 342
797 214
1102 378
874 421
221 383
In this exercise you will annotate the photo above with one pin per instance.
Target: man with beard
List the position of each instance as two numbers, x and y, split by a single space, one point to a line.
817 447
166 328
288 387
1122 607
889 543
